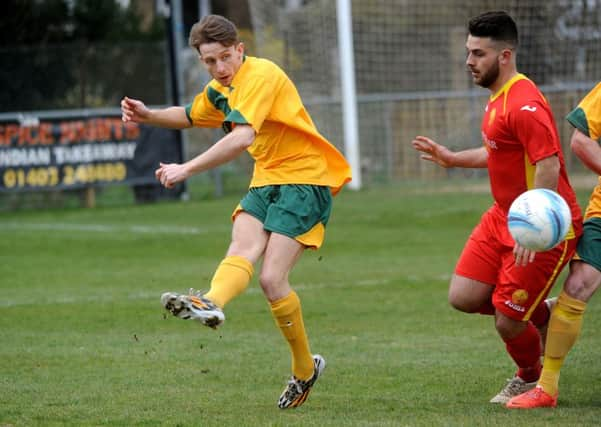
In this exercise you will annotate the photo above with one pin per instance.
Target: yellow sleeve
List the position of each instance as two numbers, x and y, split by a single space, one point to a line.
587 116
254 103
202 113
592 107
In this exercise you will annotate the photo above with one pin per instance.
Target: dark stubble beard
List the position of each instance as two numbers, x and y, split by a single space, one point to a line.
490 76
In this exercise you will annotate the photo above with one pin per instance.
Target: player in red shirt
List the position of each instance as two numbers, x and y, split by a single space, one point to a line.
522 151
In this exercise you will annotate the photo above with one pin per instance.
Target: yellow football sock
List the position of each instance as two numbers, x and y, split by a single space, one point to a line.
289 318
564 327
230 279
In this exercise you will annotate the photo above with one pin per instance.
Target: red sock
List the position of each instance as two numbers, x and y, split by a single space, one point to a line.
540 315
525 350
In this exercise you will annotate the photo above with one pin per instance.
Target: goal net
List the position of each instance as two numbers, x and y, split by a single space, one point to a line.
410 69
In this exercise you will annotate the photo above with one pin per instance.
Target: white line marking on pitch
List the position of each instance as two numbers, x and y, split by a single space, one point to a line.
105 228
144 295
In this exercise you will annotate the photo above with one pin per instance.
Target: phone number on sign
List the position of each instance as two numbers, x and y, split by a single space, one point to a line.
64 176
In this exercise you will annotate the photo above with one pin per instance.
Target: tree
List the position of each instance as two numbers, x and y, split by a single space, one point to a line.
67 54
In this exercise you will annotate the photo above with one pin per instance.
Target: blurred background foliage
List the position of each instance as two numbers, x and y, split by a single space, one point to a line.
76 54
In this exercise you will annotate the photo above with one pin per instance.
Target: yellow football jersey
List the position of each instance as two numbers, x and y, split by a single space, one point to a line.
287 148
586 117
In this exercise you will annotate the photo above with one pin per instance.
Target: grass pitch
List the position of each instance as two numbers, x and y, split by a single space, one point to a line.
85 341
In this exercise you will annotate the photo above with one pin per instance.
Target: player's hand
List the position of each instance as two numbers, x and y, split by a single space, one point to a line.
133 110
522 255
170 174
433 151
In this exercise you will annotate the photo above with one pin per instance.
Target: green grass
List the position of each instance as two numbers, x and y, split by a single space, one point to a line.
85 341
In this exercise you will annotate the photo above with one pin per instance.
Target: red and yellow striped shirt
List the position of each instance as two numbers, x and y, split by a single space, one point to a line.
519 130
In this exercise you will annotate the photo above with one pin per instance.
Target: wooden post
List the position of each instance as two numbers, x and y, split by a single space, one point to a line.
89 197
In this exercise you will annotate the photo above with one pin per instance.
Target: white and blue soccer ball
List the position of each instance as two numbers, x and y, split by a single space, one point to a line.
539 219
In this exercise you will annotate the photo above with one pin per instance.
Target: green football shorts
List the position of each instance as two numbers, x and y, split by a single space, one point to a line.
589 245
299 211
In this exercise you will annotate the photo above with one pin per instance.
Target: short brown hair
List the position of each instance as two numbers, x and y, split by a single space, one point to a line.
211 29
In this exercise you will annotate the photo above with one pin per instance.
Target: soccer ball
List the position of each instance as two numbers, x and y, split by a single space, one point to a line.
539 219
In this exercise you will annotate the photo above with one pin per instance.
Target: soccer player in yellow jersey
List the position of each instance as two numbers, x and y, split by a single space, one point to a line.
296 173
585 269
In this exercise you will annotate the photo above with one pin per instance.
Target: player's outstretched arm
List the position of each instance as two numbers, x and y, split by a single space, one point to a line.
546 176
547 173
587 150
227 148
441 155
134 110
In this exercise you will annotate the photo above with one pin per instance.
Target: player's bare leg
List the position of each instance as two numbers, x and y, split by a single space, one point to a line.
230 279
281 255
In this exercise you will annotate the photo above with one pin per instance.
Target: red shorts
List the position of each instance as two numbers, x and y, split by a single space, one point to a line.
488 258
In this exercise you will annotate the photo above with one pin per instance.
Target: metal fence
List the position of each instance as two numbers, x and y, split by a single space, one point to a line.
410 73
409 64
